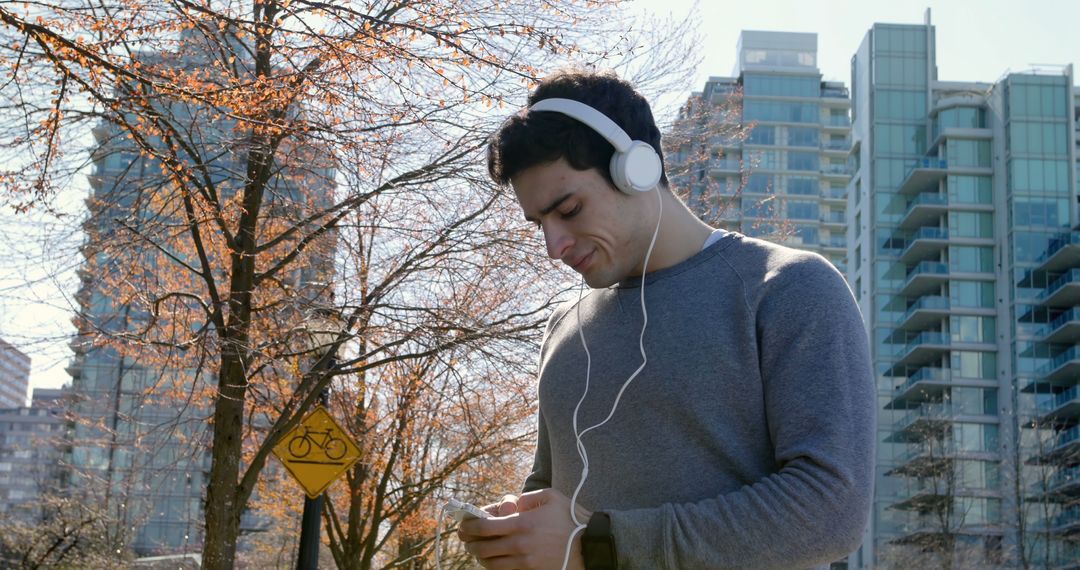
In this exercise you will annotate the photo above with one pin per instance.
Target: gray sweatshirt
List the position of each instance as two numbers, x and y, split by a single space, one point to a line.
747 440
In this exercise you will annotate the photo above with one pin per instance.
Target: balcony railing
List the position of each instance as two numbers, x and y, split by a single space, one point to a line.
1070 276
925 373
834 241
834 218
1069 515
927 233
939 450
1066 437
936 163
925 411
927 302
1063 477
928 199
929 268
838 121
835 193
1072 238
725 164
1072 314
930 373
1060 400
1071 354
837 145
926 337
841 169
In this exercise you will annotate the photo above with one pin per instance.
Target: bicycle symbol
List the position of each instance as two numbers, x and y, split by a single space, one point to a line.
302 443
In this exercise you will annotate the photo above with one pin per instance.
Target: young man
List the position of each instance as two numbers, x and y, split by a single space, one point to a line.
745 440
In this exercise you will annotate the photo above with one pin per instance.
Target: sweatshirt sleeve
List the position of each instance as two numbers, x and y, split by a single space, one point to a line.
820 407
540 476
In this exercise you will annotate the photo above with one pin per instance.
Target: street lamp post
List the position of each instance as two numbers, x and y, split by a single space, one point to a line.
323 332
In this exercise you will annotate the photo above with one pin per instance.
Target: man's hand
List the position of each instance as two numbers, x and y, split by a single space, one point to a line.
532 537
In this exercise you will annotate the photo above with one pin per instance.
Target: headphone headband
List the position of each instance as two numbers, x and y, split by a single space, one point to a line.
635 166
591 117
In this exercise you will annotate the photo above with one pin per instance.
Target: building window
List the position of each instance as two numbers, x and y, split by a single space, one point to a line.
762 134
803 136
802 161
802 210
961 152
802 186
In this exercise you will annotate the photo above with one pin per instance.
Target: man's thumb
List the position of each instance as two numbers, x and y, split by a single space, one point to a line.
532 500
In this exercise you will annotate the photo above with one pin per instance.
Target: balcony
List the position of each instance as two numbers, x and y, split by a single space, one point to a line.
927 532
1063 292
835 92
1067 442
924 312
837 146
835 194
836 170
923 174
925 278
835 242
1064 406
837 122
1064 329
926 383
925 421
834 218
1067 556
724 166
925 209
1063 253
923 243
1063 486
933 457
1066 523
1064 448
722 142
926 495
922 349
1062 369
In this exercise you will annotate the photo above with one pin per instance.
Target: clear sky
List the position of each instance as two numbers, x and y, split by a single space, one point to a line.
977 40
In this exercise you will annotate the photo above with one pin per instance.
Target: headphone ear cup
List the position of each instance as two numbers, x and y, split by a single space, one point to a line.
636 170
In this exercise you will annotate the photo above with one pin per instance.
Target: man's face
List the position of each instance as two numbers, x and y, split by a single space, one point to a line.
587 224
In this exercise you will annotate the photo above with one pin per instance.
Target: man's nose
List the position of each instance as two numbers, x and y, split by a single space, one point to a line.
558 240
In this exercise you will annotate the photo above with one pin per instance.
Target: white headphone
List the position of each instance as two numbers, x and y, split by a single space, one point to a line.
635 166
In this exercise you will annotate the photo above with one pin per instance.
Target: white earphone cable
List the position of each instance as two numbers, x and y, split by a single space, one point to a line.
579 525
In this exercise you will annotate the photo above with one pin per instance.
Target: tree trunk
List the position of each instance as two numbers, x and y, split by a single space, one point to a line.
222 508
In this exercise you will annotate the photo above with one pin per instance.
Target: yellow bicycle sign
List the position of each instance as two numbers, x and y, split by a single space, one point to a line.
317 452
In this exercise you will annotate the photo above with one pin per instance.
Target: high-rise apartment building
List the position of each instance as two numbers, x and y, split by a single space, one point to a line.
964 253
776 166
140 442
14 376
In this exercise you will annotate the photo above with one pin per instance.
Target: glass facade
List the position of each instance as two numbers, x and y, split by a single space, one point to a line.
966 262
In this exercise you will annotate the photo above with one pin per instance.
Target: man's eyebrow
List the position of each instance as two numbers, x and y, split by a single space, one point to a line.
552 206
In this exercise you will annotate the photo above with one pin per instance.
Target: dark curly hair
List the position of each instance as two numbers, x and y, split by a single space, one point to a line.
528 139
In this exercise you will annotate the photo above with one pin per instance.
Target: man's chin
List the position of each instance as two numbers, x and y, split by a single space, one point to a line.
598 280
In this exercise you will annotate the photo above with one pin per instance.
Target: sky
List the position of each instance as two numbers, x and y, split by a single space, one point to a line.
977 40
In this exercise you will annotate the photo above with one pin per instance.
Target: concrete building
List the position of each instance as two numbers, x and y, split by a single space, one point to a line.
31 446
776 166
14 376
964 255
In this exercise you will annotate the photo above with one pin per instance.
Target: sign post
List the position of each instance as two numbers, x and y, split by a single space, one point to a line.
316 453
